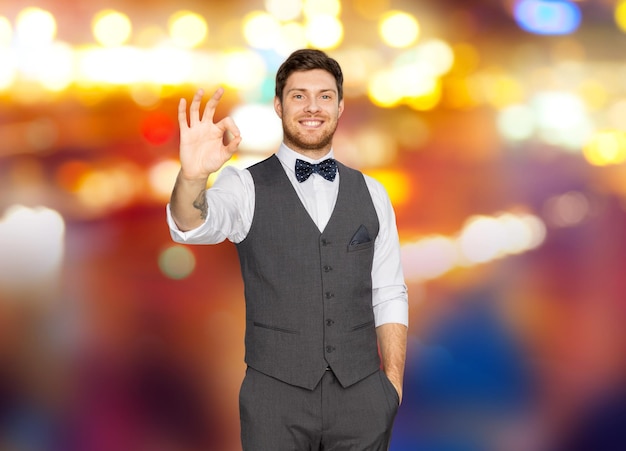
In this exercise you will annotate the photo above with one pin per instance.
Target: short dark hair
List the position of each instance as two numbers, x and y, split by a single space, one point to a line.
308 59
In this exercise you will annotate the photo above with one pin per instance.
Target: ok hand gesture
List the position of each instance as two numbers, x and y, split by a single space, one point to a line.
204 145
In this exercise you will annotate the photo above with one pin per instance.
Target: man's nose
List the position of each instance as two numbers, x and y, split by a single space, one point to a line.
311 106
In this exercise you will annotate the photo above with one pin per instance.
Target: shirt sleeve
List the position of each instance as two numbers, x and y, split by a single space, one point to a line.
230 203
389 294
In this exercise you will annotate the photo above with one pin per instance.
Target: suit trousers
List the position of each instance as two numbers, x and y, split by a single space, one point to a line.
276 416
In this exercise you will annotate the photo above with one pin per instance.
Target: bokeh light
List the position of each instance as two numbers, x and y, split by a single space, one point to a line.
482 239
620 14
324 31
261 30
162 177
284 10
430 257
605 148
188 29
6 32
111 28
177 262
158 128
261 124
399 29
33 246
35 27
516 122
243 70
567 210
547 16
313 8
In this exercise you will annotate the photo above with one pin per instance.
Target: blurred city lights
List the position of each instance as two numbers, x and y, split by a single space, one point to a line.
567 210
243 70
261 124
313 8
399 29
396 183
293 36
437 53
177 262
547 16
111 28
261 30
562 119
158 128
284 10
482 239
371 9
187 29
620 14
35 27
429 258
6 32
516 123
109 187
33 246
8 69
55 67
324 31
605 148
161 178
111 65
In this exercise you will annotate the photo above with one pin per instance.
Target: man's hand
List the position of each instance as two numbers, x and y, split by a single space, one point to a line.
205 146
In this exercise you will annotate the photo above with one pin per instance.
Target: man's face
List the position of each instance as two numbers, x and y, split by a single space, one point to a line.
309 111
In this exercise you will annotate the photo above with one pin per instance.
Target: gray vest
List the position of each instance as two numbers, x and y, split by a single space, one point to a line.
309 294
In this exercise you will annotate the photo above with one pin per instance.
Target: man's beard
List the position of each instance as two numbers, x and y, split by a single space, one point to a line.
300 142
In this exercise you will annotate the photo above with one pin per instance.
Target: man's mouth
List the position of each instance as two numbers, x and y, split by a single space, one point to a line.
311 123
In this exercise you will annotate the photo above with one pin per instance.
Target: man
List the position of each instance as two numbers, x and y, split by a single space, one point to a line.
320 259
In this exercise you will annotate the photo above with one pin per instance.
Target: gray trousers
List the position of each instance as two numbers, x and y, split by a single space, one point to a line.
276 416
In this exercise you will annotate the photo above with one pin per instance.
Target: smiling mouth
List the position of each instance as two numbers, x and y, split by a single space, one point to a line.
311 123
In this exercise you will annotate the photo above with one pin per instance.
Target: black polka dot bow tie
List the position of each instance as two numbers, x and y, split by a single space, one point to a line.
326 168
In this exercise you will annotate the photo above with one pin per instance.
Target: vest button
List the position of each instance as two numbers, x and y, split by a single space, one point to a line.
330 349
328 268
330 322
329 295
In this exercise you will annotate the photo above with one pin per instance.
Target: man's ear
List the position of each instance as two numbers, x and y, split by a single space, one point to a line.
341 105
278 107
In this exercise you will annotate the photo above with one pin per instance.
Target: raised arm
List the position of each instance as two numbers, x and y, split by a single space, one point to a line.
204 148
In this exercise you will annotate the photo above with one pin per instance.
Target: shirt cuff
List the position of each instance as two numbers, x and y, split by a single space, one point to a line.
178 235
392 311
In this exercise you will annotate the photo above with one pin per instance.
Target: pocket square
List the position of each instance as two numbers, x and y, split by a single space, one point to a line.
361 236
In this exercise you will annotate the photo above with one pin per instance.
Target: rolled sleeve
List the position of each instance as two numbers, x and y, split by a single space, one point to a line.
389 294
393 310
230 209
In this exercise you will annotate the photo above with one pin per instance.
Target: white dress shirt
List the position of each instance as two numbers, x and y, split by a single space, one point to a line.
231 209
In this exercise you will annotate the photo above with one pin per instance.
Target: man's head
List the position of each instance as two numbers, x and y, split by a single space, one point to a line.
308 59
309 101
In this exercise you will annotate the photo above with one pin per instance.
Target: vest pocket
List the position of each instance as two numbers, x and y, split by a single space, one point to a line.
360 246
363 326
275 328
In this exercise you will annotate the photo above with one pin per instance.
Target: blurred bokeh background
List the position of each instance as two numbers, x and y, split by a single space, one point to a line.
497 127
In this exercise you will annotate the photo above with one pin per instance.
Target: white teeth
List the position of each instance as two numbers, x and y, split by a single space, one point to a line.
311 123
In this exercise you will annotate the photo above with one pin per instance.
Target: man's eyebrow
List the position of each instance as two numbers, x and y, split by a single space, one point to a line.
334 91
